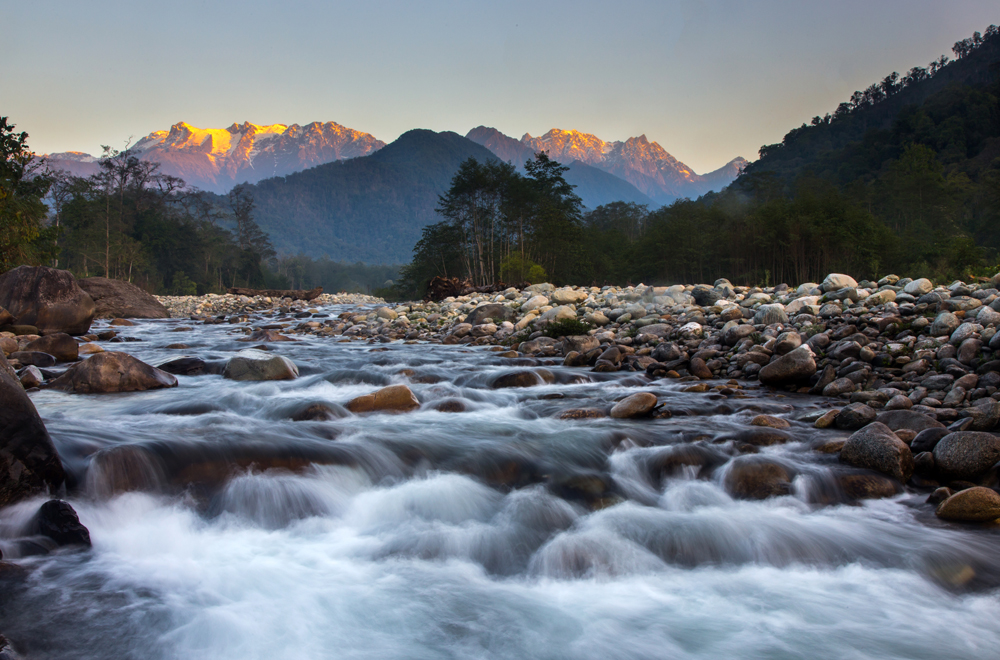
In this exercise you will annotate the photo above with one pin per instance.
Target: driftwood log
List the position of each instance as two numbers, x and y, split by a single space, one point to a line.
311 294
440 288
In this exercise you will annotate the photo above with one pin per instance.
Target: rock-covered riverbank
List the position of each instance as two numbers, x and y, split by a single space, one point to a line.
892 344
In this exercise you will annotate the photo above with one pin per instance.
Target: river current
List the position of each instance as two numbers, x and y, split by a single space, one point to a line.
223 529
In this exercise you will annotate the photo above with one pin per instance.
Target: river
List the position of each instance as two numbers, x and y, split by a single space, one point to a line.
223 529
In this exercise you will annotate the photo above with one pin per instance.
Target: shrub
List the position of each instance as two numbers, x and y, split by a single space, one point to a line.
566 328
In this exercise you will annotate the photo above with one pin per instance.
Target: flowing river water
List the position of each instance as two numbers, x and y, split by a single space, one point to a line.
223 529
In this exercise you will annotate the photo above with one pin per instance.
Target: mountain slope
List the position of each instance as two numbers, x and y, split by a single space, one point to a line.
597 187
644 164
216 159
368 209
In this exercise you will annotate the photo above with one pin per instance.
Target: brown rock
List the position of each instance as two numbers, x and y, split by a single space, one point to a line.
28 460
46 298
755 478
976 504
770 421
59 345
121 322
119 299
698 368
966 454
516 379
639 404
316 412
395 398
450 406
582 413
793 367
867 486
113 372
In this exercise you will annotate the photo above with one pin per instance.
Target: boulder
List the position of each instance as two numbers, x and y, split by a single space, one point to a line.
47 298
254 364
876 447
534 303
756 478
191 366
919 287
579 343
58 521
568 296
944 324
867 486
395 398
34 358
28 460
793 367
59 345
499 313
910 420
516 379
6 318
119 299
855 416
769 314
837 281
639 404
927 440
985 415
966 455
112 371
976 504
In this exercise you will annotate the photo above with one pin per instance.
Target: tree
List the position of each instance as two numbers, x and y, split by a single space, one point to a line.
254 244
23 236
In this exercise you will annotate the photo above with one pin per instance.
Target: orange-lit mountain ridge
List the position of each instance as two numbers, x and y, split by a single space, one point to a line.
216 159
644 164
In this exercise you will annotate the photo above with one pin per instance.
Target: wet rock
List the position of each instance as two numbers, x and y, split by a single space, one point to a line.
770 421
838 387
91 348
395 398
253 364
58 521
639 404
698 368
796 366
47 298
499 313
827 419
190 366
876 447
967 455
450 406
762 437
28 460
787 342
753 477
667 352
315 412
112 372
944 324
118 299
59 345
770 314
119 322
976 504
736 333
582 413
867 486
855 416
580 343
516 379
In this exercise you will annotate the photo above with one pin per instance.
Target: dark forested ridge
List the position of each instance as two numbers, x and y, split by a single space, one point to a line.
904 176
367 209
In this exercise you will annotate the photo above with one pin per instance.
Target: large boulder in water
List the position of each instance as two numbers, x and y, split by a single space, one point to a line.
793 367
966 455
395 398
639 404
111 371
58 521
756 478
47 298
254 364
28 459
118 299
877 448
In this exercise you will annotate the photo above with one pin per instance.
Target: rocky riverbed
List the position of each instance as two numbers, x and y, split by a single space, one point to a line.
547 472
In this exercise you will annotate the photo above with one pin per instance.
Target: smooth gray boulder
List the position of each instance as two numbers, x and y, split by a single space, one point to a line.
254 364
966 455
793 367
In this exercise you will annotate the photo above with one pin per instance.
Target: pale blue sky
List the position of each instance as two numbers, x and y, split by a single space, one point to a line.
707 80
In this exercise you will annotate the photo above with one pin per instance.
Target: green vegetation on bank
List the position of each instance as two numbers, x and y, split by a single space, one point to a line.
903 177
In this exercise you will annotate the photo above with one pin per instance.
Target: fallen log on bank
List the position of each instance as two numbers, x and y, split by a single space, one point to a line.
311 294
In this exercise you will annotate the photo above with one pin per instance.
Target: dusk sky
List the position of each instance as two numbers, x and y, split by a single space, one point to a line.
707 80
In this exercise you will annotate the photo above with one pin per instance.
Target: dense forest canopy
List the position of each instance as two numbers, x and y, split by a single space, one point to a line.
904 176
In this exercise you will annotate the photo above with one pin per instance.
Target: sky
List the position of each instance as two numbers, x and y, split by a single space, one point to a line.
708 80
